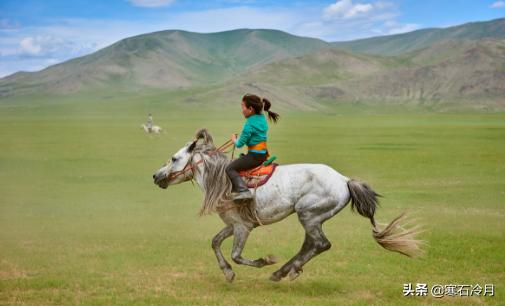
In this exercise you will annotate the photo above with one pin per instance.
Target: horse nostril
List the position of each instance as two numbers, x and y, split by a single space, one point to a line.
154 176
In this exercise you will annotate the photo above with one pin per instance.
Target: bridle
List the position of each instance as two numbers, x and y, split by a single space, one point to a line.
190 167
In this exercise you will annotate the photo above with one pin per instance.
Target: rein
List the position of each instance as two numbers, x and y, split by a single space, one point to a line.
190 167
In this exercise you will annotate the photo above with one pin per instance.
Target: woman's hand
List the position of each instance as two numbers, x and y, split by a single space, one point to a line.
234 138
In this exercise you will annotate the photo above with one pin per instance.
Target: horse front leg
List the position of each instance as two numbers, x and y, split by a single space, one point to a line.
216 245
241 233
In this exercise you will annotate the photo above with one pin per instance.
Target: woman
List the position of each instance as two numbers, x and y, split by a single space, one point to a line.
150 123
254 135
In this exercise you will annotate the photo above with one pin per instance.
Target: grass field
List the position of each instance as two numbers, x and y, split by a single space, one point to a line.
82 223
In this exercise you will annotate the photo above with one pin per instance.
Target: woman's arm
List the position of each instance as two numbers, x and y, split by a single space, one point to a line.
244 136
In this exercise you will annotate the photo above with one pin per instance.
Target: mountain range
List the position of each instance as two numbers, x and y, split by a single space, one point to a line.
462 64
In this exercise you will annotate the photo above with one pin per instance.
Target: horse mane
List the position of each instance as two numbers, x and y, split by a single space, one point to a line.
216 184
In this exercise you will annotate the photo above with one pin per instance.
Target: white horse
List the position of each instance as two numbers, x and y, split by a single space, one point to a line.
316 192
155 129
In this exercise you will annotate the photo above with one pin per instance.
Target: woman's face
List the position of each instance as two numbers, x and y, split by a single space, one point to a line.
246 111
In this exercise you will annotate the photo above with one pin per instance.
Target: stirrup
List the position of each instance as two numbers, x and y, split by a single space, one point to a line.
242 196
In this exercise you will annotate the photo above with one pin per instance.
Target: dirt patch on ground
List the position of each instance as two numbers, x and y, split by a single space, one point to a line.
9 270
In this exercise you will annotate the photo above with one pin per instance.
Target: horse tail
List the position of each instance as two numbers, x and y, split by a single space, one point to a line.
393 237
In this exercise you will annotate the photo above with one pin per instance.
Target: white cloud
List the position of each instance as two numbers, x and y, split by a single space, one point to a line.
29 46
409 27
346 9
498 4
50 46
151 3
392 27
347 20
34 48
358 9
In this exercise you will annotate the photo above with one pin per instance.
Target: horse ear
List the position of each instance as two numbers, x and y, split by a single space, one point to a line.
192 146
205 135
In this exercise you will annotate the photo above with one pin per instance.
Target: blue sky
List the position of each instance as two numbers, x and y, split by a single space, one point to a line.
36 34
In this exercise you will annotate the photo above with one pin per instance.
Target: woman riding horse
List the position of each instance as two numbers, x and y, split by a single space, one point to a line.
315 192
254 135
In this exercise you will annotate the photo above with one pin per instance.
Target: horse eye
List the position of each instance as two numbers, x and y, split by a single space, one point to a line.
174 159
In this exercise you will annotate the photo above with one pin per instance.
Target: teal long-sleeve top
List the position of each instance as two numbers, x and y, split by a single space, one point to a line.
255 131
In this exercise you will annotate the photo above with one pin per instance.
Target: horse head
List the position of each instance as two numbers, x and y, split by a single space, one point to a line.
179 167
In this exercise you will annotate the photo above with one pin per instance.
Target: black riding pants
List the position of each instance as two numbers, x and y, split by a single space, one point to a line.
245 162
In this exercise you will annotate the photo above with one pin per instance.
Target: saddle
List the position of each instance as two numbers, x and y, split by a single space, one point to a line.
258 176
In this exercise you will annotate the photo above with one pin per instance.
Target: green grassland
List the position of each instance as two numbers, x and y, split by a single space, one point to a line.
82 223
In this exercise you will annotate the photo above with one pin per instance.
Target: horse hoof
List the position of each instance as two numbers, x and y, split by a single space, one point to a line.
293 274
229 275
275 278
270 260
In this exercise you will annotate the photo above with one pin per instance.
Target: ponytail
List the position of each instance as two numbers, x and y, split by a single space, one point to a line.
266 107
260 104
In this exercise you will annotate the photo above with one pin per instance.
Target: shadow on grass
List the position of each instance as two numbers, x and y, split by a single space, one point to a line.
297 288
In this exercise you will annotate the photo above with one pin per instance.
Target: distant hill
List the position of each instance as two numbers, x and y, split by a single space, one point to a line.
299 82
167 59
458 65
470 73
415 40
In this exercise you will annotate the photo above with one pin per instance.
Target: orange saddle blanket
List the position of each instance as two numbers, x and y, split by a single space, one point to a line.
258 176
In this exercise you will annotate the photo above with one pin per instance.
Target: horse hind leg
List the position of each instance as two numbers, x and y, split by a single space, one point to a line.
241 233
315 243
320 244
284 270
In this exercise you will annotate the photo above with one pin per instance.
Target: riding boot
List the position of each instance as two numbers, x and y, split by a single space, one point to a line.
239 190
